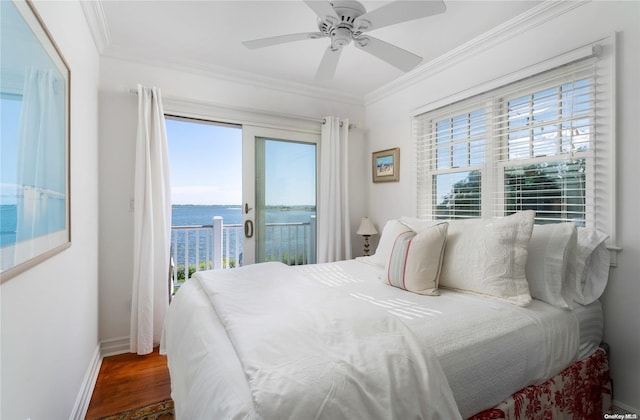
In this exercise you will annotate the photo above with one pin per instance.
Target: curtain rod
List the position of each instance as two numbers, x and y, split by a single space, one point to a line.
351 125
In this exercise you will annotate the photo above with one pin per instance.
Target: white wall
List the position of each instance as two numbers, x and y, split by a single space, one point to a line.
189 94
389 125
50 313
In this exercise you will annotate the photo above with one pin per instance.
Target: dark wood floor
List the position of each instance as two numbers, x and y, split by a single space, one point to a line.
127 381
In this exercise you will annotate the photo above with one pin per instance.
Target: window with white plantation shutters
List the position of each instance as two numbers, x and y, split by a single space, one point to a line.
545 159
540 143
459 155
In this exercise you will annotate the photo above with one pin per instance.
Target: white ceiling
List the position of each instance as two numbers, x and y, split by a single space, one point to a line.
207 35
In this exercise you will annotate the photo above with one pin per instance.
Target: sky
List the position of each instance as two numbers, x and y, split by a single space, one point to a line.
205 163
206 166
290 173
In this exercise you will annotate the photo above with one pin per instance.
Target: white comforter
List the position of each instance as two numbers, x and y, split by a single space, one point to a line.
488 348
293 348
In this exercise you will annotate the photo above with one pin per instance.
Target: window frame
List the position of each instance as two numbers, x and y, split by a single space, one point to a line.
600 208
452 169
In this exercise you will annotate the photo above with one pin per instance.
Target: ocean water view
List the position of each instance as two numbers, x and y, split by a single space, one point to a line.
8 224
191 214
202 215
196 215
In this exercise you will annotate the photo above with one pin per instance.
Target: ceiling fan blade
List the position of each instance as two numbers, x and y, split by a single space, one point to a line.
281 39
397 12
396 56
322 8
329 63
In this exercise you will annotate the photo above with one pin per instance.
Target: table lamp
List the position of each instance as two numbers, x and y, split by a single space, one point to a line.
366 229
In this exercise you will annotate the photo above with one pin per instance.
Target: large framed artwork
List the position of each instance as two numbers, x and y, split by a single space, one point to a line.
386 165
34 141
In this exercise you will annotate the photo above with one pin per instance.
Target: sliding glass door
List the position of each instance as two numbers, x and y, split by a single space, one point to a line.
240 194
279 191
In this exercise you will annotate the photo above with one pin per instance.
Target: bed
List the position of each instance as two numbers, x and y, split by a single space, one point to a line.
336 340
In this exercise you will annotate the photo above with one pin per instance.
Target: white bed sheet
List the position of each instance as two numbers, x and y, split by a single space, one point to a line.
488 349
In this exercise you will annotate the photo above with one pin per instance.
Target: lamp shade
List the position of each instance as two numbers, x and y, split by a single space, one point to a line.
366 227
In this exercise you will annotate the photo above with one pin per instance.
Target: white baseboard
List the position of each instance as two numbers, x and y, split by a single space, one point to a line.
86 390
103 349
115 346
626 407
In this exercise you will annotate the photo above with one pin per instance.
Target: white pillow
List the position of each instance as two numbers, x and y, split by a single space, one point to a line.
418 225
416 259
489 257
589 269
390 232
550 248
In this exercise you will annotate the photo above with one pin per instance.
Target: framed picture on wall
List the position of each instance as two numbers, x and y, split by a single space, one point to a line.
34 144
386 165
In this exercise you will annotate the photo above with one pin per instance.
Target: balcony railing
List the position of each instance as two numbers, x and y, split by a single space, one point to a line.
219 246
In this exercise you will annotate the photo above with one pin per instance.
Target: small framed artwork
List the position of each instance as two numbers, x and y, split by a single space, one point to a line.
386 165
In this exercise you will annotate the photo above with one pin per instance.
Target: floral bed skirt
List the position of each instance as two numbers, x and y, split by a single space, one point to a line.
581 391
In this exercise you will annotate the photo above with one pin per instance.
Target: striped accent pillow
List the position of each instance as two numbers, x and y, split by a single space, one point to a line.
415 260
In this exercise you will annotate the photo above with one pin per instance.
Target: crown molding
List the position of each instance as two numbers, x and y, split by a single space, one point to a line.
97 22
94 14
544 12
240 77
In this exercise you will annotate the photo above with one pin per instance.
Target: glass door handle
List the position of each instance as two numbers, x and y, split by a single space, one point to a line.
247 208
248 228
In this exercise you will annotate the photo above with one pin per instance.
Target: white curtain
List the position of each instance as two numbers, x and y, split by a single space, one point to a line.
152 224
334 228
41 159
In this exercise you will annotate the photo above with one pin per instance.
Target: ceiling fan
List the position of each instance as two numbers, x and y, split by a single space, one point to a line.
346 21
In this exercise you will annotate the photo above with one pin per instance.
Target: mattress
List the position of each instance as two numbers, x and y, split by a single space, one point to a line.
488 349
591 327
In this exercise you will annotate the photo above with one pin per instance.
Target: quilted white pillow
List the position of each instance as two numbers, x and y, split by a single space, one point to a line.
589 269
550 249
390 232
418 225
489 257
415 260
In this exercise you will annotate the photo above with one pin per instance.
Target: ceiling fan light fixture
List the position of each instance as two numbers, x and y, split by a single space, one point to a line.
340 37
